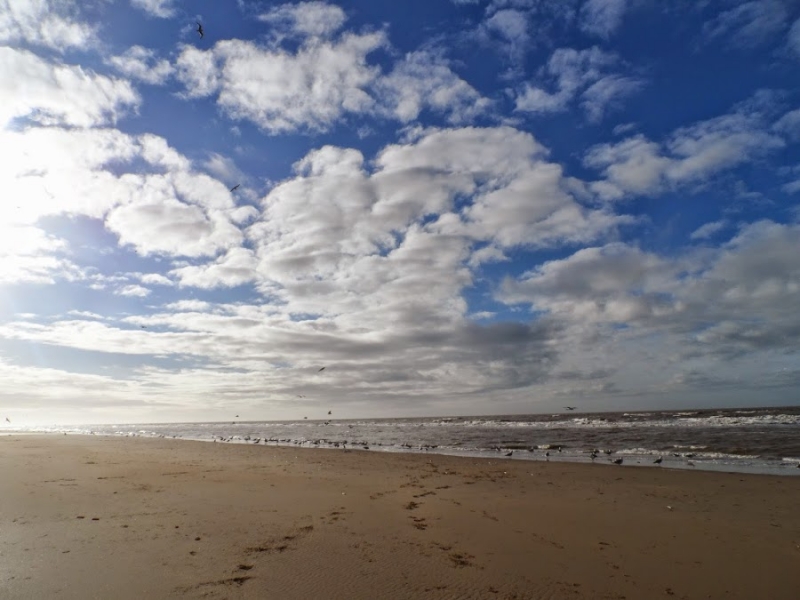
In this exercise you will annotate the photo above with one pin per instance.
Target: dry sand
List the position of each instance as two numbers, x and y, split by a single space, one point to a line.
115 518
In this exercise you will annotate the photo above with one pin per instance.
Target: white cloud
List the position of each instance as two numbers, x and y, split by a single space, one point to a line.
142 64
584 72
167 226
49 23
139 187
789 125
726 302
507 29
224 168
34 89
236 267
709 229
198 71
341 241
749 23
602 17
614 283
607 94
136 291
324 79
691 154
188 305
279 91
162 9
154 279
423 80
27 254
317 19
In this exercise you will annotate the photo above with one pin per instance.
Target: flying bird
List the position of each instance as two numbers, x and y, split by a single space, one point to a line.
329 412
7 419
570 407
321 369
236 187
200 29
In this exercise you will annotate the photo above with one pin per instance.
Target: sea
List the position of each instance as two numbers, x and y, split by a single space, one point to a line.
754 440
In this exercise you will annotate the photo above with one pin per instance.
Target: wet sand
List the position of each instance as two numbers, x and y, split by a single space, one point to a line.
88 517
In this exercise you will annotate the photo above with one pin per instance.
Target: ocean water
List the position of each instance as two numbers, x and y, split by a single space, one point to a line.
757 440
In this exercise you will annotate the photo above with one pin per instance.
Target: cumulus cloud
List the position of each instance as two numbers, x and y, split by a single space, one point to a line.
507 29
325 79
303 19
357 244
732 301
601 17
133 290
57 94
584 73
614 283
639 166
424 80
143 65
49 23
279 91
139 187
236 267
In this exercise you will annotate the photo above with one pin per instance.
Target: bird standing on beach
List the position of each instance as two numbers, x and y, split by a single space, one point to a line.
329 412
200 29
509 453
658 460
618 461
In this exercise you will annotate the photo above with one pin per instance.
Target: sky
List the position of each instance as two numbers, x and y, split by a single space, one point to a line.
456 207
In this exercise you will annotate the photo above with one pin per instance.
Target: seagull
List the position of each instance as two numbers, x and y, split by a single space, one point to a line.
618 461
329 412
658 460
509 453
321 369
199 29
236 187
143 326
570 407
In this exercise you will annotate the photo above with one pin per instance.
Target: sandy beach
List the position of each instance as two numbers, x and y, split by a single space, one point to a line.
91 517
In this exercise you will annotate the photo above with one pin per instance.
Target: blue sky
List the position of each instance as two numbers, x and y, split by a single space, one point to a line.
456 207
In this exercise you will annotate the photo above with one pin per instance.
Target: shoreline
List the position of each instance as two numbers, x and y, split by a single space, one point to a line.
184 519
746 465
